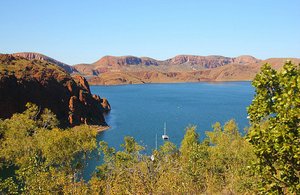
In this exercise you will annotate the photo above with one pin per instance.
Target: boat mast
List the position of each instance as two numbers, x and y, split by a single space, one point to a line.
165 129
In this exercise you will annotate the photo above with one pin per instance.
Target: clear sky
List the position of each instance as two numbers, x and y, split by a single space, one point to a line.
77 31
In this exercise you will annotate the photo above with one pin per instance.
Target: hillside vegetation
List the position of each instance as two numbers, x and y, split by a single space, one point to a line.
37 56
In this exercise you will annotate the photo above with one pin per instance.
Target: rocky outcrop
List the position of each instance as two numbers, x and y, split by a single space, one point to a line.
150 61
38 56
88 70
104 102
245 59
208 62
48 86
202 61
114 61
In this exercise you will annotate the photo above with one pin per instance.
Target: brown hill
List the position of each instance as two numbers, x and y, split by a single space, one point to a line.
230 72
193 63
38 56
48 86
176 64
87 70
203 61
113 61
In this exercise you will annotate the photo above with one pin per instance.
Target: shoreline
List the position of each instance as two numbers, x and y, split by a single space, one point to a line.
99 129
120 84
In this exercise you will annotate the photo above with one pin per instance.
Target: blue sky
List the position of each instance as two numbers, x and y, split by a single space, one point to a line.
76 31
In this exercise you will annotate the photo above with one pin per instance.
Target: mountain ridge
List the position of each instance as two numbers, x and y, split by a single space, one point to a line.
39 56
211 68
177 63
112 70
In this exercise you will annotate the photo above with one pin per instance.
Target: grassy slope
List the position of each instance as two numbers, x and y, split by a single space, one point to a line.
23 68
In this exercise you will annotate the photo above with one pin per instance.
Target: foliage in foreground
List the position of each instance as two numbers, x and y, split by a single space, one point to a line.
275 129
37 158
219 164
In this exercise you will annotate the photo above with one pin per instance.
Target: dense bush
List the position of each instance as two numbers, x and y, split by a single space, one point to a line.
275 128
37 158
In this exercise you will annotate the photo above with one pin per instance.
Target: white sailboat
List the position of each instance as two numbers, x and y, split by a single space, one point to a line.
165 136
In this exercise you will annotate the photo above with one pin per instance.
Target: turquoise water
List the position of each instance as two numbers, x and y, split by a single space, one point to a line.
141 110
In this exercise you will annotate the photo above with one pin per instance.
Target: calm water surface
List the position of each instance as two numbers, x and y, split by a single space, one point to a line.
141 110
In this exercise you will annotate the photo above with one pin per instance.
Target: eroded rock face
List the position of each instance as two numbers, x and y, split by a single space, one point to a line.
38 56
105 104
245 60
48 86
204 61
81 81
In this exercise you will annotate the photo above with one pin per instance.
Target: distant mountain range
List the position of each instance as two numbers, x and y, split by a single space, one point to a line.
177 63
111 70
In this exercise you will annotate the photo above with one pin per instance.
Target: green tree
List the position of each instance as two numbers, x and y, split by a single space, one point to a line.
190 139
168 149
275 126
230 157
39 158
123 172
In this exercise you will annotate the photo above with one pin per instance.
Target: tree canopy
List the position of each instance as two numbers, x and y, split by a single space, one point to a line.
37 157
275 126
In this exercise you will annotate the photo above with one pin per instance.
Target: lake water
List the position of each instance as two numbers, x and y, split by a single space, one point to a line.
141 110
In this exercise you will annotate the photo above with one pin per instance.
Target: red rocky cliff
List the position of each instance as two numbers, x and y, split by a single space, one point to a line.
48 86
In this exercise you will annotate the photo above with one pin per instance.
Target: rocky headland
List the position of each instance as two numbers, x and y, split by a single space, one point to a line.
42 81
